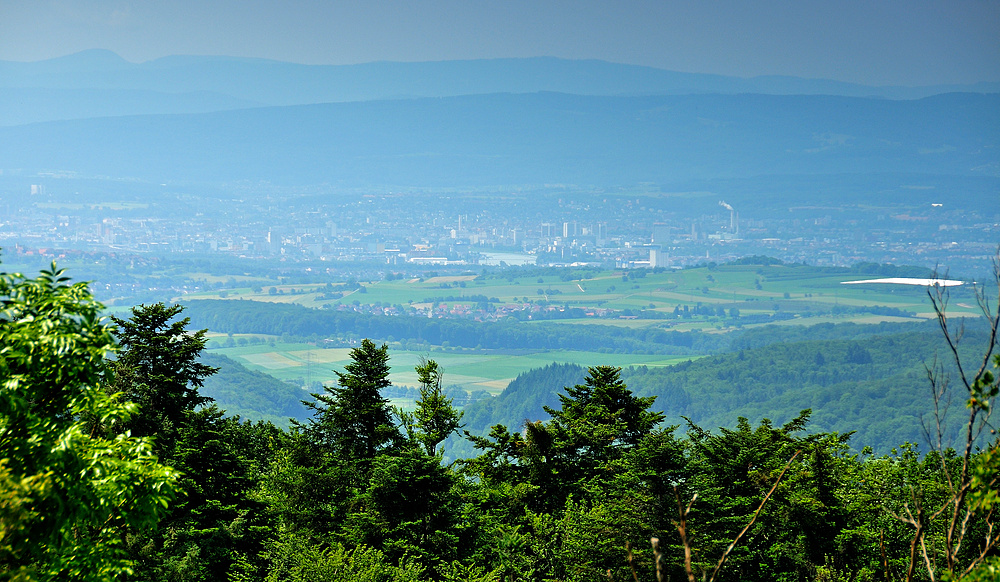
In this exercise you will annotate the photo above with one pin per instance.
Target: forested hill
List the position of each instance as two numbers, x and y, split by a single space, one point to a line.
869 379
252 395
758 337
875 386
234 316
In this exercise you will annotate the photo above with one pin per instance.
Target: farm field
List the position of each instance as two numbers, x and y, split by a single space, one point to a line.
490 372
808 292
803 295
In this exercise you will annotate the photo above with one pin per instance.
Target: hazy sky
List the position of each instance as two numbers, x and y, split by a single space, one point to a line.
880 42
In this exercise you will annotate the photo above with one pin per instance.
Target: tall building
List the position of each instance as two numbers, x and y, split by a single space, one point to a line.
658 257
273 242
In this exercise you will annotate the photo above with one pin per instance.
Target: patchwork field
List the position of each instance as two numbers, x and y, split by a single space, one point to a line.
705 298
810 293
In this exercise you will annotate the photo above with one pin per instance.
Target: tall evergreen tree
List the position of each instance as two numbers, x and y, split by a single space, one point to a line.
601 416
436 418
353 419
158 369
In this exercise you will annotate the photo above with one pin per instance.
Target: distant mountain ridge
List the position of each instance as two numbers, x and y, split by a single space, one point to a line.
99 83
535 138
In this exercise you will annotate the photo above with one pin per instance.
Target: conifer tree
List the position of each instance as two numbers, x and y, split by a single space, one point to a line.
436 418
601 417
353 419
158 369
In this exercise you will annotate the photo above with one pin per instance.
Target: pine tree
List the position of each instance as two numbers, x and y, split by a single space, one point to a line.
352 419
436 418
158 369
601 416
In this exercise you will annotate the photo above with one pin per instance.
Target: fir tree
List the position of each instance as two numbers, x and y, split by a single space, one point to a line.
352 419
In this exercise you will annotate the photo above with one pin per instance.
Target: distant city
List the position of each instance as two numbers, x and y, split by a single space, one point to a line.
408 231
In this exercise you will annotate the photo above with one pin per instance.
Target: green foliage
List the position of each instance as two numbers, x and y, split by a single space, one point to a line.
158 369
296 559
67 497
874 386
877 399
436 418
733 470
601 415
216 518
988 571
353 419
586 479
984 492
580 487
409 508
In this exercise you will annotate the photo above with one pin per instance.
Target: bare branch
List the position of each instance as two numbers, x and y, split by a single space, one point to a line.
756 513
681 524
661 576
960 513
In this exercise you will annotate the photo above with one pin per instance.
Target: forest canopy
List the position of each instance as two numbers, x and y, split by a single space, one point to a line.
116 466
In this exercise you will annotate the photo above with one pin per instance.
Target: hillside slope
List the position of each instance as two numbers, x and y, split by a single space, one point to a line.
874 385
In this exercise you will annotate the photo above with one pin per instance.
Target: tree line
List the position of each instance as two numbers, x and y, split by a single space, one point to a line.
116 467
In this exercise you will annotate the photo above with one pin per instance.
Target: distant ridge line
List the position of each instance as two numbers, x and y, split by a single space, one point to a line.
237 82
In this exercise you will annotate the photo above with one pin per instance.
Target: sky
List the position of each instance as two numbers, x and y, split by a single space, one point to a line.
874 42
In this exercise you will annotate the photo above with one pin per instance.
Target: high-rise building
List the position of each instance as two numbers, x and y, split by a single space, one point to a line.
658 257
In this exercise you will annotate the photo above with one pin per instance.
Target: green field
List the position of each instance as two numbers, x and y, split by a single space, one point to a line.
809 295
808 292
470 371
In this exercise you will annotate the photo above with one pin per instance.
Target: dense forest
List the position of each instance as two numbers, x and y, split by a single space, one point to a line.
117 465
869 380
